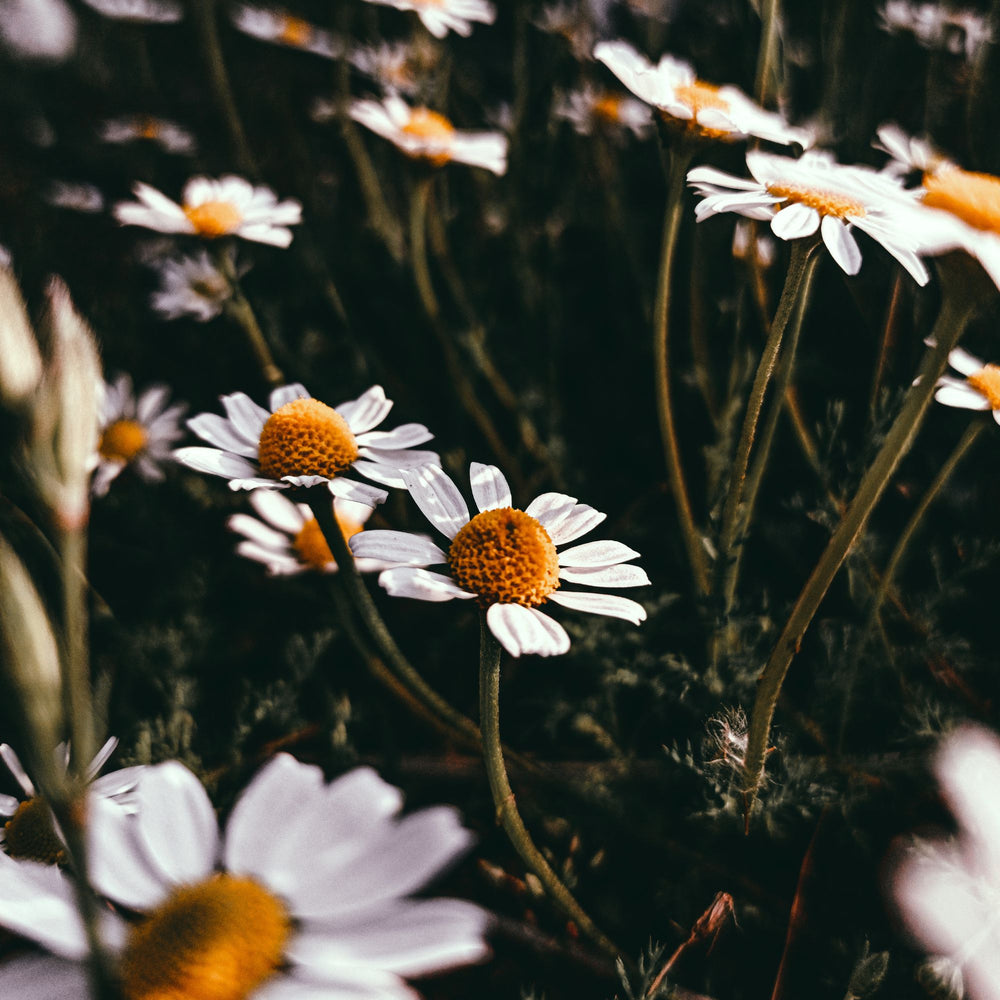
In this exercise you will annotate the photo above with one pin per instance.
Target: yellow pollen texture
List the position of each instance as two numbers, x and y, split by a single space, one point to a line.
30 834
306 438
213 218
295 32
825 202
974 198
505 557
431 127
122 440
217 940
988 383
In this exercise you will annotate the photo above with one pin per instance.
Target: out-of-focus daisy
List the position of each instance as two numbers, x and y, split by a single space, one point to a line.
138 432
397 66
230 206
934 26
168 135
801 196
948 891
323 910
291 541
303 442
191 286
441 16
77 196
141 11
752 246
699 109
589 109
570 21
506 558
38 29
427 135
272 24
979 390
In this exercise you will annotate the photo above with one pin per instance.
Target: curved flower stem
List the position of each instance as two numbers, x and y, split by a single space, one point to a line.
957 306
764 84
503 796
680 158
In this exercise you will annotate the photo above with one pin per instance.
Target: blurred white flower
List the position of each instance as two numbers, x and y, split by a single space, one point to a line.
142 11
441 16
190 286
979 390
272 24
589 109
77 196
38 29
397 66
570 21
935 26
169 135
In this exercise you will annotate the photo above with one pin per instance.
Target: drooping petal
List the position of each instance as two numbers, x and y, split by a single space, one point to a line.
606 576
601 604
216 463
526 630
795 221
421 584
842 245
348 489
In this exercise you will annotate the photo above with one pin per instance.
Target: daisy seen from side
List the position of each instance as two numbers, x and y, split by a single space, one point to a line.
241 914
506 558
273 24
590 109
441 16
191 285
979 390
166 134
229 206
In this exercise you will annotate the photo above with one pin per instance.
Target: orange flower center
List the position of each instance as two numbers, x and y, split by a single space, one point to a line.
216 940
434 129
122 440
505 557
824 202
608 108
295 32
987 382
700 96
974 198
213 218
306 438
149 128
30 834
312 547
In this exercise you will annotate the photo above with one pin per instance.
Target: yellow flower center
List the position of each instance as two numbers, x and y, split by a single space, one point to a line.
608 108
295 32
306 438
431 128
149 128
312 547
213 218
217 940
30 834
824 202
974 198
122 440
987 382
699 96
505 557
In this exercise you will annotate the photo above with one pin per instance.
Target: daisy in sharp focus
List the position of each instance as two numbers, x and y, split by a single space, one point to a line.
979 390
304 896
272 24
697 108
506 558
135 431
426 135
590 109
190 286
303 442
441 16
230 206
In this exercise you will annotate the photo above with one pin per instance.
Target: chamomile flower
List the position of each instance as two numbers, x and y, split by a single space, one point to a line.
322 910
589 109
138 432
400 67
426 135
441 16
979 390
190 286
272 24
506 558
935 26
167 135
288 540
570 21
800 196
696 108
303 442
140 11
230 206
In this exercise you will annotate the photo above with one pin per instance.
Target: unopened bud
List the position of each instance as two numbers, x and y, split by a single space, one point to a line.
20 359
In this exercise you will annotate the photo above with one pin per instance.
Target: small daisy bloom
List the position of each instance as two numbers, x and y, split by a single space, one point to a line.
323 910
288 539
589 109
506 558
979 390
427 135
135 431
935 27
397 66
699 109
441 16
571 22
190 286
303 442
77 196
230 206
948 891
168 135
141 11
271 24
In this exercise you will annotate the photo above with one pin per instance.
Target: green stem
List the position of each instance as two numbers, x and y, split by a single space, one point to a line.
956 308
766 79
239 309
680 158
503 797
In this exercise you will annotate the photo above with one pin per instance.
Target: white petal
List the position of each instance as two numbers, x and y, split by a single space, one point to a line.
150 403
601 604
577 522
348 489
8 805
548 507
306 481
286 393
404 436
489 487
42 977
277 563
526 630
438 498
421 584
962 361
603 553
350 984
367 411
246 416
606 576
13 762
216 463
795 221
397 547
220 432
962 396
278 510
401 458
842 245
264 536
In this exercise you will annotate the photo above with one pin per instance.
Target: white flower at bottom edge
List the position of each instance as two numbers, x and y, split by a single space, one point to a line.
304 896
507 558
979 390
135 431
948 891
441 16
303 442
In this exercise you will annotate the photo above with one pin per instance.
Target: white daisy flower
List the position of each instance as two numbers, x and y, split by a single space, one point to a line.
590 109
141 11
427 135
441 16
801 196
700 109
397 66
321 910
272 24
979 390
135 431
936 27
506 558
303 442
230 206
288 540
571 22
948 891
190 286
168 135
77 196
